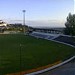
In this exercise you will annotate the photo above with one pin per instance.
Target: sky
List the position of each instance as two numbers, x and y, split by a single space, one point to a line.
38 12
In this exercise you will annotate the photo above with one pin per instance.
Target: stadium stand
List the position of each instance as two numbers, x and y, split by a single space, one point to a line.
66 39
44 35
57 37
40 35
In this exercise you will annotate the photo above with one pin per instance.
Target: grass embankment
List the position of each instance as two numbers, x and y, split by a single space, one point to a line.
19 52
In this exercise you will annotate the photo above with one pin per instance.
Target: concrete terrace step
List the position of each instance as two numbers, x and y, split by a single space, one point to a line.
44 35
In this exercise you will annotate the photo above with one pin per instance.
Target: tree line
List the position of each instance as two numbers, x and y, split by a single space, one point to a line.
70 25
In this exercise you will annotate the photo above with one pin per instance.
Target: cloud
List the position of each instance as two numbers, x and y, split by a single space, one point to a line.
40 23
50 23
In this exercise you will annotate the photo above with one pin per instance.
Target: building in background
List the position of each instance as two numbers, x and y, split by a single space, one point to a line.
3 26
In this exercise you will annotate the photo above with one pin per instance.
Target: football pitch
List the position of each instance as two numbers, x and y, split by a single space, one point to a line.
19 53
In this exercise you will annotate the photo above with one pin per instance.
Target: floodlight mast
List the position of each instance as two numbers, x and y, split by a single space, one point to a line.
24 19
74 6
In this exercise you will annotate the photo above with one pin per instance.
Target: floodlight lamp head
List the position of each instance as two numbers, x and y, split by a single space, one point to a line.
24 10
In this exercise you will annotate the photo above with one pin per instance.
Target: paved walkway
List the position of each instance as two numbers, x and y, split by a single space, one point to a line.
67 69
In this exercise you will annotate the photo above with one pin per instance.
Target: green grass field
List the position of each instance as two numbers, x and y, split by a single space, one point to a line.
19 52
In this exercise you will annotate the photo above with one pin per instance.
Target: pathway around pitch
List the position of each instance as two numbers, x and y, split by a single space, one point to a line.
66 69
55 66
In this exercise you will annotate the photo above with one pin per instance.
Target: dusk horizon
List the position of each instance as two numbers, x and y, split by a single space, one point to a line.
39 23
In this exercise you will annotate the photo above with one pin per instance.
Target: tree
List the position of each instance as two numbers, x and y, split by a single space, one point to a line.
70 25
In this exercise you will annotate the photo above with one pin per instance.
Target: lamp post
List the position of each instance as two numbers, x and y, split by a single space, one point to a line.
24 19
20 60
